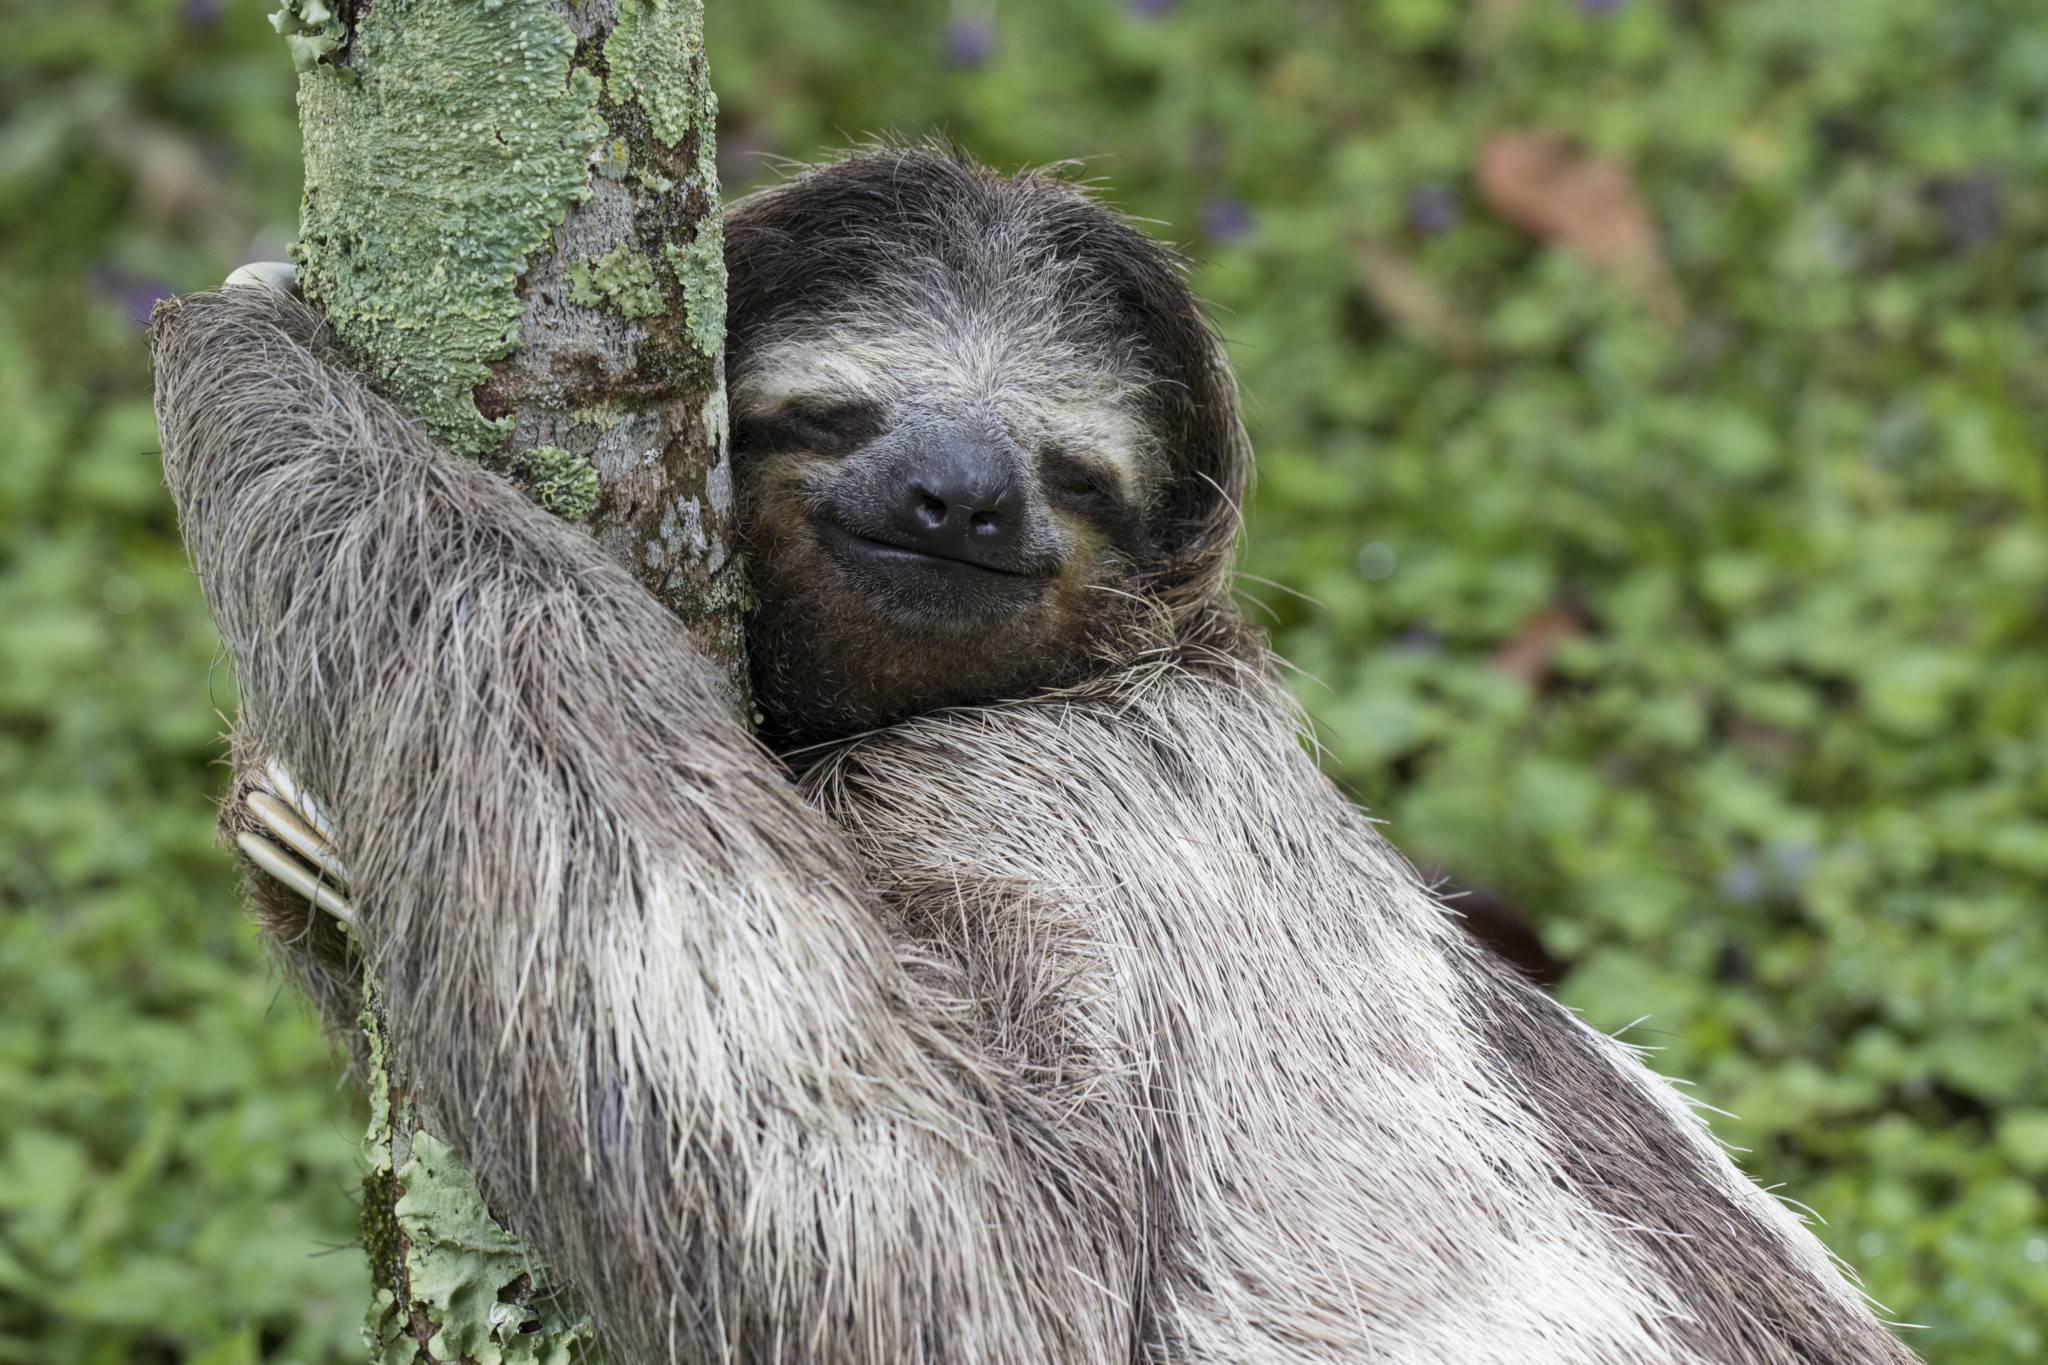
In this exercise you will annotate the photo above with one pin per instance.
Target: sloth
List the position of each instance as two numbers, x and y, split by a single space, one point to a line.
1023 992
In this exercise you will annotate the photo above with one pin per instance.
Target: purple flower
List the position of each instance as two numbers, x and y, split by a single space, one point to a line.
200 13
133 294
1599 6
1433 209
1794 860
970 38
1150 9
1423 639
1225 218
1743 881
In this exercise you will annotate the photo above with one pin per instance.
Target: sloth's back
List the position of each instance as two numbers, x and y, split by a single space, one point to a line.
1360 1137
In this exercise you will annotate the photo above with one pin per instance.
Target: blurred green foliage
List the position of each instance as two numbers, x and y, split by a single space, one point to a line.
1715 646
175 1159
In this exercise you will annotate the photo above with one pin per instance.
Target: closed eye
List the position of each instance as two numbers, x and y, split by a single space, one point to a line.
822 427
1082 488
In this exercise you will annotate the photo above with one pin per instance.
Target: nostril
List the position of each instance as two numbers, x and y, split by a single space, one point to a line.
931 511
985 523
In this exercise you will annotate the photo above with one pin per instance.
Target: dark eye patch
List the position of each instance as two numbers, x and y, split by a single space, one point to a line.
808 424
1075 486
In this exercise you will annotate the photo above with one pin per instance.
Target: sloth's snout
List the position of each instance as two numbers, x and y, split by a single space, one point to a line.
955 497
937 527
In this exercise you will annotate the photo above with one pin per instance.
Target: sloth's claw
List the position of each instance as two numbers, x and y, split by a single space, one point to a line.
279 275
304 804
299 836
273 859
303 827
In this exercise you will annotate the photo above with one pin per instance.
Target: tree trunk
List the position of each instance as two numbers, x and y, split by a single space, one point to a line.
511 223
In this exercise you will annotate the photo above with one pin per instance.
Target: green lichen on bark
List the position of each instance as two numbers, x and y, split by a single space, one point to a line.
621 279
382 1244
560 480
475 1278
449 1282
511 222
387 1321
310 29
700 269
649 56
436 163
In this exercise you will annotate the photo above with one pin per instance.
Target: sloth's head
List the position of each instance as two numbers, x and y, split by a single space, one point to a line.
982 435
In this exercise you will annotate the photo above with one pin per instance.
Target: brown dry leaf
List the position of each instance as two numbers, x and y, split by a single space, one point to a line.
1527 656
1553 188
1399 289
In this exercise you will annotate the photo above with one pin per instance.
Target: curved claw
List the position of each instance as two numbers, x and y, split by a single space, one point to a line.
278 275
303 803
289 870
304 828
299 836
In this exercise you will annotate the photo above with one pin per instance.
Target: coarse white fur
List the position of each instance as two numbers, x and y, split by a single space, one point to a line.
1356 1176
1088 1026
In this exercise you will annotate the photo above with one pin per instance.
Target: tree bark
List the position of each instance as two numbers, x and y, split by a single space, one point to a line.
511 223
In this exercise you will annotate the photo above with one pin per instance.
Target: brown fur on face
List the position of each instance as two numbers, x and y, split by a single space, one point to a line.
836 651
827 662
908 287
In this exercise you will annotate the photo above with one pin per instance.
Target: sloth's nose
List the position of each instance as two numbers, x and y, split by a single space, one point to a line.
957 498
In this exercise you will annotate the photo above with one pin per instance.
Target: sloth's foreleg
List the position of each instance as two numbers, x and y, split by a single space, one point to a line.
641 983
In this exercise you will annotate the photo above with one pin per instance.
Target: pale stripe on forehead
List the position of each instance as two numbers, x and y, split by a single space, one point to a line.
811 369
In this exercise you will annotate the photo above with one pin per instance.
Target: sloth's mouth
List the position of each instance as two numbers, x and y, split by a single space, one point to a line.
919 588
838 537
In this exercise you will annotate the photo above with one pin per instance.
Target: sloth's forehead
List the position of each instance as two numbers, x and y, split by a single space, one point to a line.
1042 387
938 366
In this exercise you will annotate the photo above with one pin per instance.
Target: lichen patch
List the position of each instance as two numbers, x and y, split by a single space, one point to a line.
649 56
310 29
700 270
563 482
427 189
620 279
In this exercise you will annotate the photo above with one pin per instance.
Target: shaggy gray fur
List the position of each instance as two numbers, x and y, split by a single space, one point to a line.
1089 1027
1365 1141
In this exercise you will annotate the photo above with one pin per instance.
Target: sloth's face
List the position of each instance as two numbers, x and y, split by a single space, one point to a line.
931 520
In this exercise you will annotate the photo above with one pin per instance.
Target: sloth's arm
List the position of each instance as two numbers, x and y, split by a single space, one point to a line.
637 978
